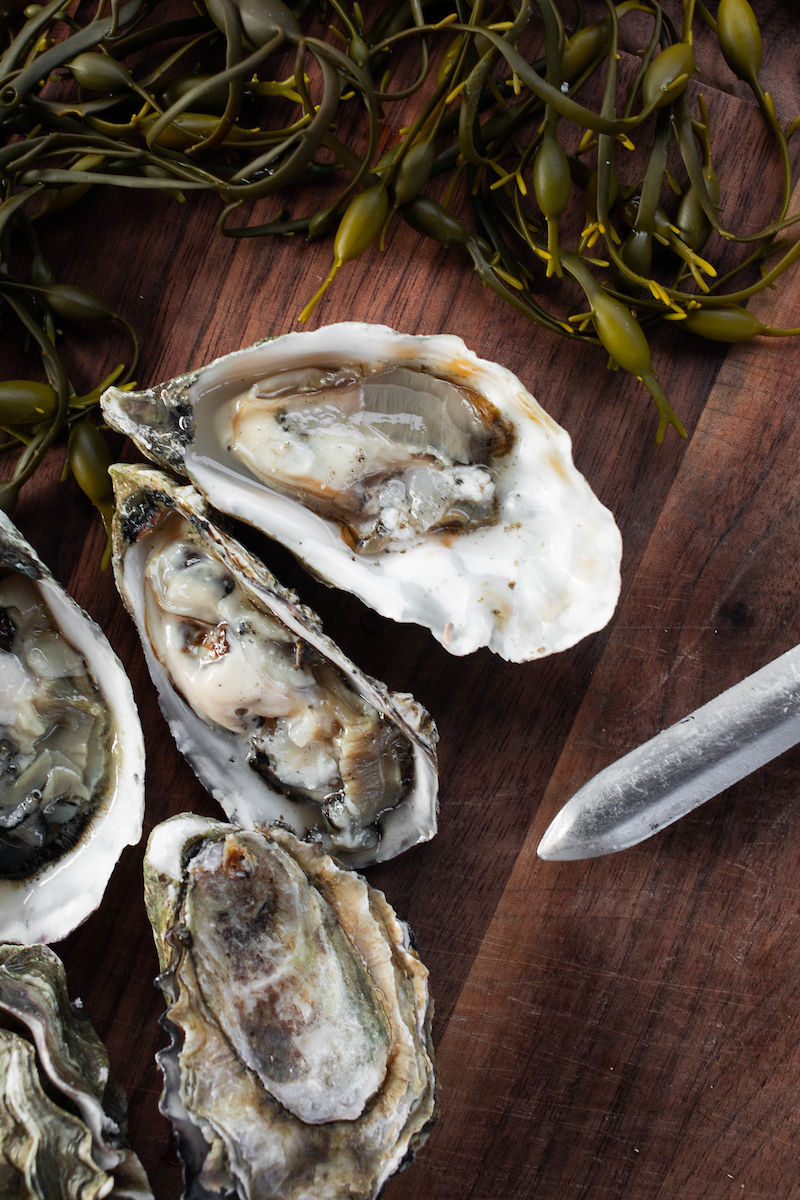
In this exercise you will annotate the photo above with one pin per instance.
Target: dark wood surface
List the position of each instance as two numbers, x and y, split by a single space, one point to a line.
623 1028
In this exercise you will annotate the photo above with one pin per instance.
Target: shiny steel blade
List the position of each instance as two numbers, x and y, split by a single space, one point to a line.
683 766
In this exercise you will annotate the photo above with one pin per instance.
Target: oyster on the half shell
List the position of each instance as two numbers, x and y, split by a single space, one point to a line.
403 469
301 1062
62 1128
71 753
276 721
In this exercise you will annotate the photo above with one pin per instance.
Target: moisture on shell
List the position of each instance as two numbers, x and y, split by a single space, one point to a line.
499 544
301 1061
275 720
71 753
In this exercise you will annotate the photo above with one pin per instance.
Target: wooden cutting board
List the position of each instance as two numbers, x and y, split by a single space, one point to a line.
625 1027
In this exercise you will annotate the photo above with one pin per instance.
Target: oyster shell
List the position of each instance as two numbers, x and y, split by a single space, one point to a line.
301 1062
63 1141
403 469
71 753
277 723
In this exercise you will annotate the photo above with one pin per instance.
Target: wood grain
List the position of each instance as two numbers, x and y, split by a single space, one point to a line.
625 1028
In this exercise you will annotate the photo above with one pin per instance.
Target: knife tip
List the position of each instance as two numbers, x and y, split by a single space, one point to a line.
557 845
567 839
552 849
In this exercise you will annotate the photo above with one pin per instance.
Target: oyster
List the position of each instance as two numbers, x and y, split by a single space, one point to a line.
61 1122
277 723
71 753
301 1062
403 469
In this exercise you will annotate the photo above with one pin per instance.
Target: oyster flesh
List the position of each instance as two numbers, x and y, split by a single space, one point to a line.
403 469
61 1122
71 753
301 1061
277 723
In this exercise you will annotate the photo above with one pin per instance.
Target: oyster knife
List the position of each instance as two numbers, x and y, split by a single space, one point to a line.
683 766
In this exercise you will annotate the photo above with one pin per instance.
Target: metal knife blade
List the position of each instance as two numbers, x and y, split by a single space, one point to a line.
683 766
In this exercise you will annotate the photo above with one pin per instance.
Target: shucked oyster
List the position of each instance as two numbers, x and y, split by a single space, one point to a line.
274 719
390 455
71 753
404 469
61 1122
301 1063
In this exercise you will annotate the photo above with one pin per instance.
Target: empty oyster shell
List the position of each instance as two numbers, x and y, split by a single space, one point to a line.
63 1141
71 753
404 469
301 1062
277 723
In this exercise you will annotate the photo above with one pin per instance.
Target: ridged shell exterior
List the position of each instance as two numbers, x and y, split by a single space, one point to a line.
219 757
542 577
62 1143
49 904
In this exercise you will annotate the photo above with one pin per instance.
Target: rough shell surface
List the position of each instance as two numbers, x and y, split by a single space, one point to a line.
539 579
63 1141
49 904
301 1062
219 757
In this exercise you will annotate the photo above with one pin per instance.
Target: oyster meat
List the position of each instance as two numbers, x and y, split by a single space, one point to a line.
71 753
301 1062
404 469
61 1121
275 720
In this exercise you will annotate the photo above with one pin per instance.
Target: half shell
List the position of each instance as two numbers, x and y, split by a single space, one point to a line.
533 573
223 742
49 902
301 1061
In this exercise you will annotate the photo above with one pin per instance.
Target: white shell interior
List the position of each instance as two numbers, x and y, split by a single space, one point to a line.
220 758
541 578
52 902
